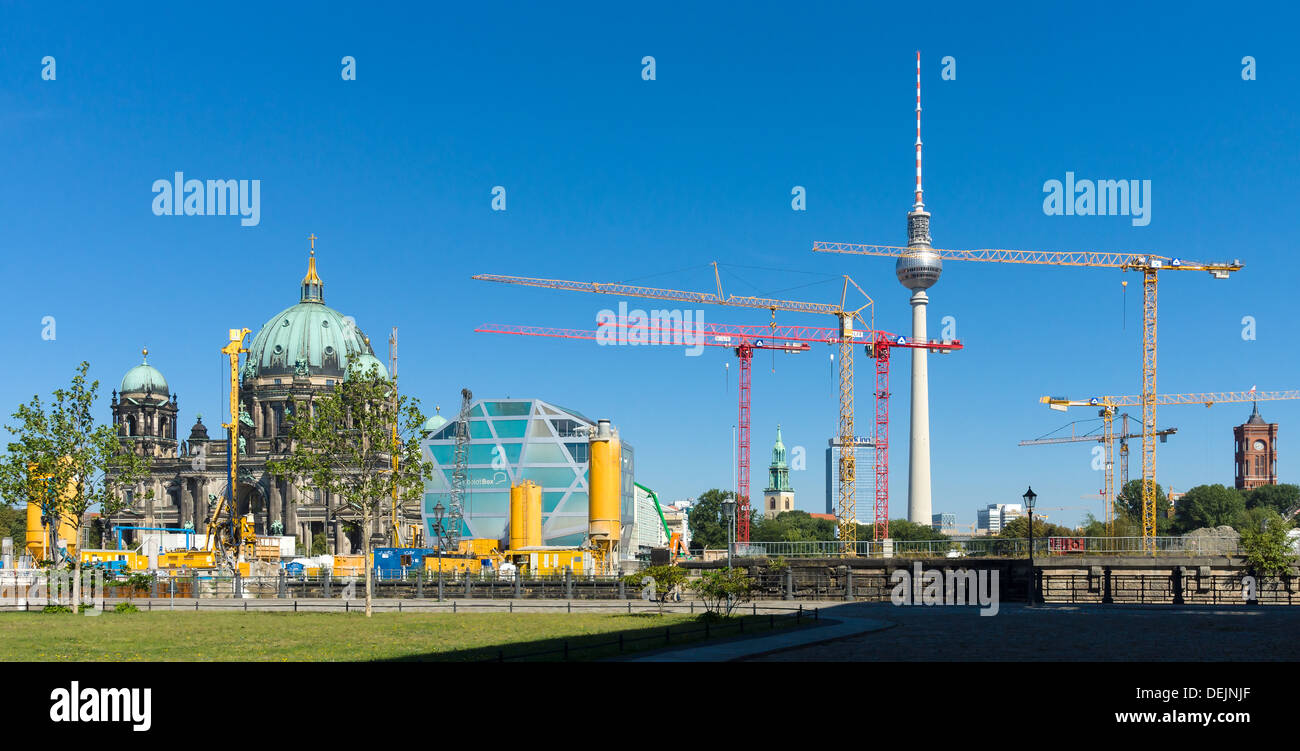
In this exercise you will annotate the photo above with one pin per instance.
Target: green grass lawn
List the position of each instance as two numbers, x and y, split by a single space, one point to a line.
215 636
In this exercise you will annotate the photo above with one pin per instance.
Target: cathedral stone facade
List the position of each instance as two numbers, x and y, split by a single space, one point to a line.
301 351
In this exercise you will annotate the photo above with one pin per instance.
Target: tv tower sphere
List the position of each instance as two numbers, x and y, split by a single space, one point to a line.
920 267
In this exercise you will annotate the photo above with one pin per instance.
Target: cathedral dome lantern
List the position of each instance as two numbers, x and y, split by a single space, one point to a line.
308 338
144 378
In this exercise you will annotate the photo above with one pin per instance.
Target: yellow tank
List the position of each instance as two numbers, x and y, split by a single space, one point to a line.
38 536
525 515
604 500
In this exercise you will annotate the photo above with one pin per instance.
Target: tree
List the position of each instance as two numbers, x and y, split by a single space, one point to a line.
708 523
902 529
319 544
724 589
1267 546
342 442
1018 529
1281 498
13 524
791 526
1209 506
65 462
666 580
1128 503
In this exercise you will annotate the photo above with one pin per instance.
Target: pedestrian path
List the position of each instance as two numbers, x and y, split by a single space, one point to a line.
836 627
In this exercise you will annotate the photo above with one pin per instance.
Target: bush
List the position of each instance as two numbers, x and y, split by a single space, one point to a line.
723 590
126 607
56 609
1268 550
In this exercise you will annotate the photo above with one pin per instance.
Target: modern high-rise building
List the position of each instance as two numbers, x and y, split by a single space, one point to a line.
864 480
512 440
992 518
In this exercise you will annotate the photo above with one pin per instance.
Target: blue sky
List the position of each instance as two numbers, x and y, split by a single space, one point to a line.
613 178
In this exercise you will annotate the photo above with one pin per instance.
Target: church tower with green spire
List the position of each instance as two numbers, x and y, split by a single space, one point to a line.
778 496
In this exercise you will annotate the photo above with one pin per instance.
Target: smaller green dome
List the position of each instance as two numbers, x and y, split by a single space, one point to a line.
364 362
144 377
434 423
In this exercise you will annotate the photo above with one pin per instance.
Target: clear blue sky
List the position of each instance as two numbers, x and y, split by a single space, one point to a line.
614 178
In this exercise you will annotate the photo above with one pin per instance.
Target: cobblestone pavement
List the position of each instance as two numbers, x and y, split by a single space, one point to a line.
1062 632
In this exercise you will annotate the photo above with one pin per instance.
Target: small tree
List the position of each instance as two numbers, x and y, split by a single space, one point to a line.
666 580
723 590
65 462
342 442
1267 547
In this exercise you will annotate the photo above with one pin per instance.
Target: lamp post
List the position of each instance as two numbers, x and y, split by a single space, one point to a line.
1030 496
729 510
438 512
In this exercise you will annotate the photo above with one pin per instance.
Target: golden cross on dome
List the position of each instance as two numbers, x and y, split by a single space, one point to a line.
312 238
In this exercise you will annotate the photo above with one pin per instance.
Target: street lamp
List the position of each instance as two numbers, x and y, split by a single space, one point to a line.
438 512
1030 496
729 510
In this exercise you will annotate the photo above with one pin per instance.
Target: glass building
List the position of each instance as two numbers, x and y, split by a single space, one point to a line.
512 440
864 476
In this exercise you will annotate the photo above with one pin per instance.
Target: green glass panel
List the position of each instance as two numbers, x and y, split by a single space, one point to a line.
551 499
510 428
480 503
477 411
539 429
484 453
437 482
509 409
479 429
549 477
512 451
443 453
542 452
581 451
490 526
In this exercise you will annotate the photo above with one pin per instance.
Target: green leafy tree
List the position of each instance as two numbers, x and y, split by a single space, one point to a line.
791 526
1128 504
708 523
666 580
1267 546
1018 529
902 529
342 442
1281 498
723 590
319 544
13 524
62 458
1210 506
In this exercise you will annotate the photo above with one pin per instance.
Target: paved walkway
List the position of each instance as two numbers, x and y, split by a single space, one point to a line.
828 630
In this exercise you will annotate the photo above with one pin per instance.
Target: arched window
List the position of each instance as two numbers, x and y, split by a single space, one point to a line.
130 425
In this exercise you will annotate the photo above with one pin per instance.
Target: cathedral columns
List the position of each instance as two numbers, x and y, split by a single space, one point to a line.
273 505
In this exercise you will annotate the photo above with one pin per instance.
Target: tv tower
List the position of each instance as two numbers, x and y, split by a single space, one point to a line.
918 269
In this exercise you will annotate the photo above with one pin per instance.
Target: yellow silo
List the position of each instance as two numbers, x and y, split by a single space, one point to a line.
605 491
41 541
525 515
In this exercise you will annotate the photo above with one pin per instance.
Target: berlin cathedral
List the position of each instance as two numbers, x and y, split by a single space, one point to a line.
301 351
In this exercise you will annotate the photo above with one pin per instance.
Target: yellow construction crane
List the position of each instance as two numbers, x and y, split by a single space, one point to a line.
847 512
392 375
1107 439
1149 265
1108 406
229 543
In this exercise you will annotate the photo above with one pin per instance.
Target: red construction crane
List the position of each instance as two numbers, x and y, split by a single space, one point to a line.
743 340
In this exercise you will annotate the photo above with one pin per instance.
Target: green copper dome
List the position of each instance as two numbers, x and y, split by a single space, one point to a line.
365 361
433 424
310 335
144 377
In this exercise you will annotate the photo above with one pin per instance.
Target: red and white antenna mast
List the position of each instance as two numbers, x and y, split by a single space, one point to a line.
920 204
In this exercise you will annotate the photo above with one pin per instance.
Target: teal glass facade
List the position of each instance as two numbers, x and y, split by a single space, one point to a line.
512 440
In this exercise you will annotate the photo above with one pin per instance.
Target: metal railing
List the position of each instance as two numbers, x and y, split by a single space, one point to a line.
984 546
